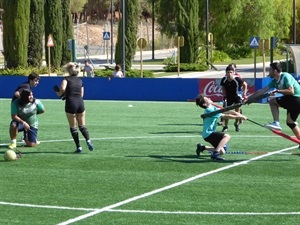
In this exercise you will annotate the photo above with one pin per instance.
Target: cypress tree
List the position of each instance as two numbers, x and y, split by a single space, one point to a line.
36 33
68 31
15 32
132 15
187 26
53 26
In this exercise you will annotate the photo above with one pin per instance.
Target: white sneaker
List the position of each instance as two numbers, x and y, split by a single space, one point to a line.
274 125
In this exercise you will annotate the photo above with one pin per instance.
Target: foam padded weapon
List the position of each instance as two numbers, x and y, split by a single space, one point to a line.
277 132
57 89
265 95
221 110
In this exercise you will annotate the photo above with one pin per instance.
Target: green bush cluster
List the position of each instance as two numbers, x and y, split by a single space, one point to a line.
238 52
186 67
22 71
130 73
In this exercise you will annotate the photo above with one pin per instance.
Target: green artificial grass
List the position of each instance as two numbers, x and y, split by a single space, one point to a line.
144 169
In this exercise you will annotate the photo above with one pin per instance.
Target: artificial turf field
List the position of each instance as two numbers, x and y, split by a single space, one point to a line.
144 170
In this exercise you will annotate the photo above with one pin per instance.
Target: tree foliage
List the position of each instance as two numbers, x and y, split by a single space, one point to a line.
53 26
187 26
15 32
132 15
36 33
67 27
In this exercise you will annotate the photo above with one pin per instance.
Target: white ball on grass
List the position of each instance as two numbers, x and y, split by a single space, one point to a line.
130 105
10 155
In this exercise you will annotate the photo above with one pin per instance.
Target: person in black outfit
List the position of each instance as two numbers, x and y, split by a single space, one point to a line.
33 81
231 86
72 87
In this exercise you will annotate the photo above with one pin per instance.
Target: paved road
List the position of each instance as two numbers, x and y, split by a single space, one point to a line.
246 71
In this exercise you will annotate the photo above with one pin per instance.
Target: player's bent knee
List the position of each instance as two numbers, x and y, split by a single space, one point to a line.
292 125
30 144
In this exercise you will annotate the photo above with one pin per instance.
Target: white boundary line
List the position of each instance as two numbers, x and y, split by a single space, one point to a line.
110 207
145 137
204 213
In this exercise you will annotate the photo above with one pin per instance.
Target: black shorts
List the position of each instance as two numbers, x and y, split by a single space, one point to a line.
233 100
74 106
291 104
215 138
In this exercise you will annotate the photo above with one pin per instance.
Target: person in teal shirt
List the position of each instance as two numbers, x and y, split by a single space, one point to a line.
24 114
217 139
289 89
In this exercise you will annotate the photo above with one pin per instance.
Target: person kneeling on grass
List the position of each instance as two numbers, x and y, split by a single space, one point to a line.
24 114
217 139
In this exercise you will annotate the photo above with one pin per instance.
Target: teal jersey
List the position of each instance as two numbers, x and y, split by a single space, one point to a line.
285 81
29 112
210 123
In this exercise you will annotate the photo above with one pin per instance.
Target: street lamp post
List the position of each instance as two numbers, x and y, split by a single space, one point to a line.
123 36
207 31
111 31
152 29
294 23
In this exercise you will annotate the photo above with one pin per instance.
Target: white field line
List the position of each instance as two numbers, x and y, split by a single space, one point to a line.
110 207
204 213
145 137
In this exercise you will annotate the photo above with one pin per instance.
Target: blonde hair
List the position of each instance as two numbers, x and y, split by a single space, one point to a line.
72 68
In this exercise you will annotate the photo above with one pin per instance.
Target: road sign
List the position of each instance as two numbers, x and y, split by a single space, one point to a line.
142 43
254 42
50 42
274 42
179 40
106 36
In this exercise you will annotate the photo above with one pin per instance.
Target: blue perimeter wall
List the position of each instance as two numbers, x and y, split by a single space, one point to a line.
135 89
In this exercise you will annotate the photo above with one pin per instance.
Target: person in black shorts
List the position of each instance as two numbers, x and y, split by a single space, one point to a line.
33 81
72 87
231 86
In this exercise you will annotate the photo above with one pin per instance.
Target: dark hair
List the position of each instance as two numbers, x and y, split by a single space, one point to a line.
24 96
229 68
276 66
232 65
200 101
118 67
33 76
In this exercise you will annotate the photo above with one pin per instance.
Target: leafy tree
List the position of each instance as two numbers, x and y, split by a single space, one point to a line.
53 26
187 26
234 22
132 14
68 31
166 14
36 33
15 32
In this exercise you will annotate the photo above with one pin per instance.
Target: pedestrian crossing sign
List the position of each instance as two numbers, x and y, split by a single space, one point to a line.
106 35
254 42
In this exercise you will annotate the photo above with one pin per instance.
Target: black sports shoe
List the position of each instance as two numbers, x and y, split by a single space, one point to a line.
225 128
237 126
200 149
216 156
90 145
78 150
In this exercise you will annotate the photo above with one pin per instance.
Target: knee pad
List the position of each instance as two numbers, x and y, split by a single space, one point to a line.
82 128
73 130
292 125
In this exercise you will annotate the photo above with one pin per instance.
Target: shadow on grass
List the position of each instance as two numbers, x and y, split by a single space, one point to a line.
176 132
181 124
187 158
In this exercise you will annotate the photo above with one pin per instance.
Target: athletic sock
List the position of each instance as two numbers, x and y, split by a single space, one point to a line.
84 132
74 134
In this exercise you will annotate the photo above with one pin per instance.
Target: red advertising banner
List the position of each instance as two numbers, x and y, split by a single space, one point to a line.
212 89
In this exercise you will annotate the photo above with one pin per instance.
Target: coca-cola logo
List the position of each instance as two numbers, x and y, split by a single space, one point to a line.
212 89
